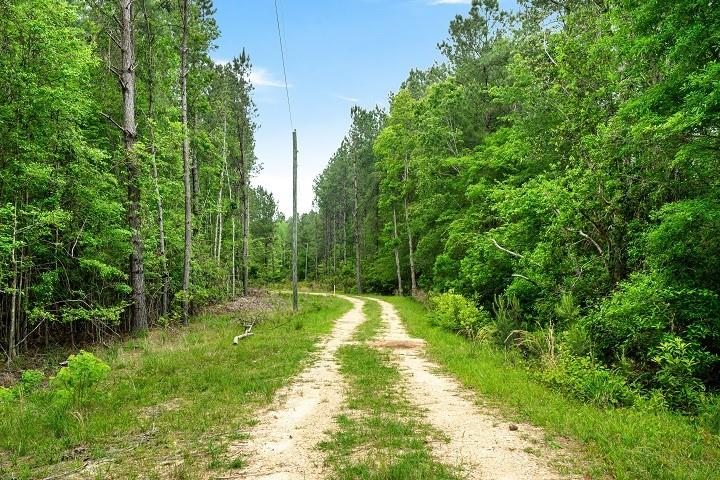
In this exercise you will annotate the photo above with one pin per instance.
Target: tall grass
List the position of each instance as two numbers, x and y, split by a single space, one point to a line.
177 393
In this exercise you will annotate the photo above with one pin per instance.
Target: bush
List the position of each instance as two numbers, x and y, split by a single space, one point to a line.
678 361
455 312
82 372
6 395
643 312
710 414
589 381
30 380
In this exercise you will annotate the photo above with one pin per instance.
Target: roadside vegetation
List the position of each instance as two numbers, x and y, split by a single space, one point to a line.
641 440
168 401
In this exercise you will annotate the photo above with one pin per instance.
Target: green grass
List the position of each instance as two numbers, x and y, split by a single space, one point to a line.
382 436
174 398
623 443
373 320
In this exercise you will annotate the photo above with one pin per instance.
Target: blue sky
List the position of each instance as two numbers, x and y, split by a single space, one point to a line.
338 53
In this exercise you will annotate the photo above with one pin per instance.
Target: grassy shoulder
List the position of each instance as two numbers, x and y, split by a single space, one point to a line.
173 401
381 436
623 443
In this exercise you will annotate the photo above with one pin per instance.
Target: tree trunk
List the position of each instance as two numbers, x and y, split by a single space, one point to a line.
127 84
413 284
186 162
246 235
356 232
334 236
165 299
219 229
12 334
165 304
344 234
233 270
295 227
397 253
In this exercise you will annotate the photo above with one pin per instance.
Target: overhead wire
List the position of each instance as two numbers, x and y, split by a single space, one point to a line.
282 56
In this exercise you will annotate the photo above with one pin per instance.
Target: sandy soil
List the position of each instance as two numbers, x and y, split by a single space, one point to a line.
283 443
480 443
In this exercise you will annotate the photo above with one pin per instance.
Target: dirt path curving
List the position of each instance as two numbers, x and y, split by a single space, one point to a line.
283 443
480 443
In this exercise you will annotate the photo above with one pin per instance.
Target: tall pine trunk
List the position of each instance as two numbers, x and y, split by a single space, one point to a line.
186 162
356 232
246 232
413 284
219 229
12 334
165 295
127 84
397 253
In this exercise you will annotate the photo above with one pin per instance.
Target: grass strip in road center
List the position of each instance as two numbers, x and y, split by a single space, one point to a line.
380 436
373 320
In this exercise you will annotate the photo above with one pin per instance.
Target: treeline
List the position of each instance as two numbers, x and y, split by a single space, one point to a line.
559 170
125 162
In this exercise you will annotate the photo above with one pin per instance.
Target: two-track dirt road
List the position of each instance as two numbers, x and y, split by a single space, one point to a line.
283 444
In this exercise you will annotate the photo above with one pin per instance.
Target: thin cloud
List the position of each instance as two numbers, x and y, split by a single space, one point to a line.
347 99
261 77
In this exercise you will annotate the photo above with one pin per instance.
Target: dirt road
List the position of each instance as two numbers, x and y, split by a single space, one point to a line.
480 445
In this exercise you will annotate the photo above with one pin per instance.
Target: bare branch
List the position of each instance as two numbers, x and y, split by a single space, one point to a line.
506 250
109 118
517 275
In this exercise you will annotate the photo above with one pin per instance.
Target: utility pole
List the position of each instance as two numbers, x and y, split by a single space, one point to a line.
295 227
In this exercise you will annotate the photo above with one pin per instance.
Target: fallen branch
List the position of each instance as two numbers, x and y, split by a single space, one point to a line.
248 333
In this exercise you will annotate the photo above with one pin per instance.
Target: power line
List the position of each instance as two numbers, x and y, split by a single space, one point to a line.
282 55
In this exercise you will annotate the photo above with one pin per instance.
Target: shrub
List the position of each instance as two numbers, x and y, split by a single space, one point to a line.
6 395
31 380
576 341
710 414
566 309
644 311
589 381
455 312
678 361
82 372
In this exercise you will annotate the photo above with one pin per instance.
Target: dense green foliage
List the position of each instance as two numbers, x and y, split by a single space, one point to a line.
65 178
559 169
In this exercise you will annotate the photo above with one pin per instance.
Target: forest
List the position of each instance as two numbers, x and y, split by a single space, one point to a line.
525 237
555 176
126 155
